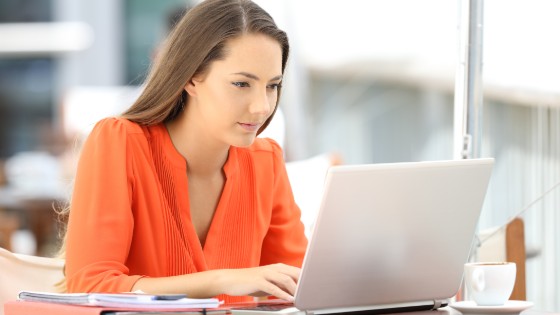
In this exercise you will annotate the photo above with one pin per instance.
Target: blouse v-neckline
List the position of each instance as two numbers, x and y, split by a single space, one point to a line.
230 170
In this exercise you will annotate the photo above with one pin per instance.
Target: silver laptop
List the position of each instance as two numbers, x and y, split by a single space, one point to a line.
391 237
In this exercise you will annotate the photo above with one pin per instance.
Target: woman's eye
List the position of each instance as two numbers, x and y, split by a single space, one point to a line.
275 86
241 84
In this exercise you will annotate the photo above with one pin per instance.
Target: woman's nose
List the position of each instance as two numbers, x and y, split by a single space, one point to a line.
260 103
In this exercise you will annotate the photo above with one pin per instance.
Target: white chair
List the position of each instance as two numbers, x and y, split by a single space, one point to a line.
307 179
23 272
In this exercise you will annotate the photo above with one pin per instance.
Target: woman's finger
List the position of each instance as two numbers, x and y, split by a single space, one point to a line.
273 289
284 282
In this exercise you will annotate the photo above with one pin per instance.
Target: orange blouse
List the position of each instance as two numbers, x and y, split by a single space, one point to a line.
129 215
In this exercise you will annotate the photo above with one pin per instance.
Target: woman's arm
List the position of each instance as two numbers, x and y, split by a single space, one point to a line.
278 280
101 222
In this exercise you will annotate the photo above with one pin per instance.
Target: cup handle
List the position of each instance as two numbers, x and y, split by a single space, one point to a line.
477 279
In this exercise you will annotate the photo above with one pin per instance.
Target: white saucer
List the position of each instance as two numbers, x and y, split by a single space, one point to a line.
510 307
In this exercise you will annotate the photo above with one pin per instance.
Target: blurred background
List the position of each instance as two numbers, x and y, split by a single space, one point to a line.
371 81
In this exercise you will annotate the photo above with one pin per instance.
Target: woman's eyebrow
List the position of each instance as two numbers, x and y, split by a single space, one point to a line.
256 78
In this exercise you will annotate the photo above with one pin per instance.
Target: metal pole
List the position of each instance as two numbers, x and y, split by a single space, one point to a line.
467 121
468 107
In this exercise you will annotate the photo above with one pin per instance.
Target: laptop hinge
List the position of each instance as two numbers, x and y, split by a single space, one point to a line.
383 309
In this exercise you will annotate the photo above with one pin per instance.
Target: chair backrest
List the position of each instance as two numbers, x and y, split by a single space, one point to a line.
515 251
23 272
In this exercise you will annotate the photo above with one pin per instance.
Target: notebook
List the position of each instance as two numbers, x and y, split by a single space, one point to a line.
390 237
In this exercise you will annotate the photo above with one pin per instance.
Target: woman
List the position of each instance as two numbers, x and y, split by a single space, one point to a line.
178 195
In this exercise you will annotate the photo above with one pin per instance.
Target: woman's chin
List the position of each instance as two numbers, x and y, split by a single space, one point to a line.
244 141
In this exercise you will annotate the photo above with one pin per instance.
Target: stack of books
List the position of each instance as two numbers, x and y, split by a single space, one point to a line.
46 303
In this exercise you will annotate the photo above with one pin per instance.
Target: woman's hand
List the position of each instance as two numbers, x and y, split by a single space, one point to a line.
279 280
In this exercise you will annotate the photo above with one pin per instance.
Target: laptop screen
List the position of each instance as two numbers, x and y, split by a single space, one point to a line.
396 233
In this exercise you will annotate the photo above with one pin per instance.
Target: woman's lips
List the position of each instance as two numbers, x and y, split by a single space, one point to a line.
251 127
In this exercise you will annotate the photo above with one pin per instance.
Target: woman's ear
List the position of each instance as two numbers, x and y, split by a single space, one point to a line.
190 87
192 84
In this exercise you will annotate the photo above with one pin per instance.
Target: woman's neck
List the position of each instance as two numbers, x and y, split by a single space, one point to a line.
205 156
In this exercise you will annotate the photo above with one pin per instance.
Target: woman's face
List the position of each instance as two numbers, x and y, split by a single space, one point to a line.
237 94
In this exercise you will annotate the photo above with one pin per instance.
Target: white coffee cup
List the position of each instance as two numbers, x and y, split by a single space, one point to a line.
490 283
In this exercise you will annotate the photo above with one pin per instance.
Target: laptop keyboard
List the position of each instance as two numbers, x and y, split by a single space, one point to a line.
272 307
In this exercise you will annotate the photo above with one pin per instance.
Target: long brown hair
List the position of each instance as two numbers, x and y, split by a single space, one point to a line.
197 40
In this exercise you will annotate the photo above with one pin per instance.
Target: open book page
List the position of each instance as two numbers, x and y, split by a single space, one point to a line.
120 300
